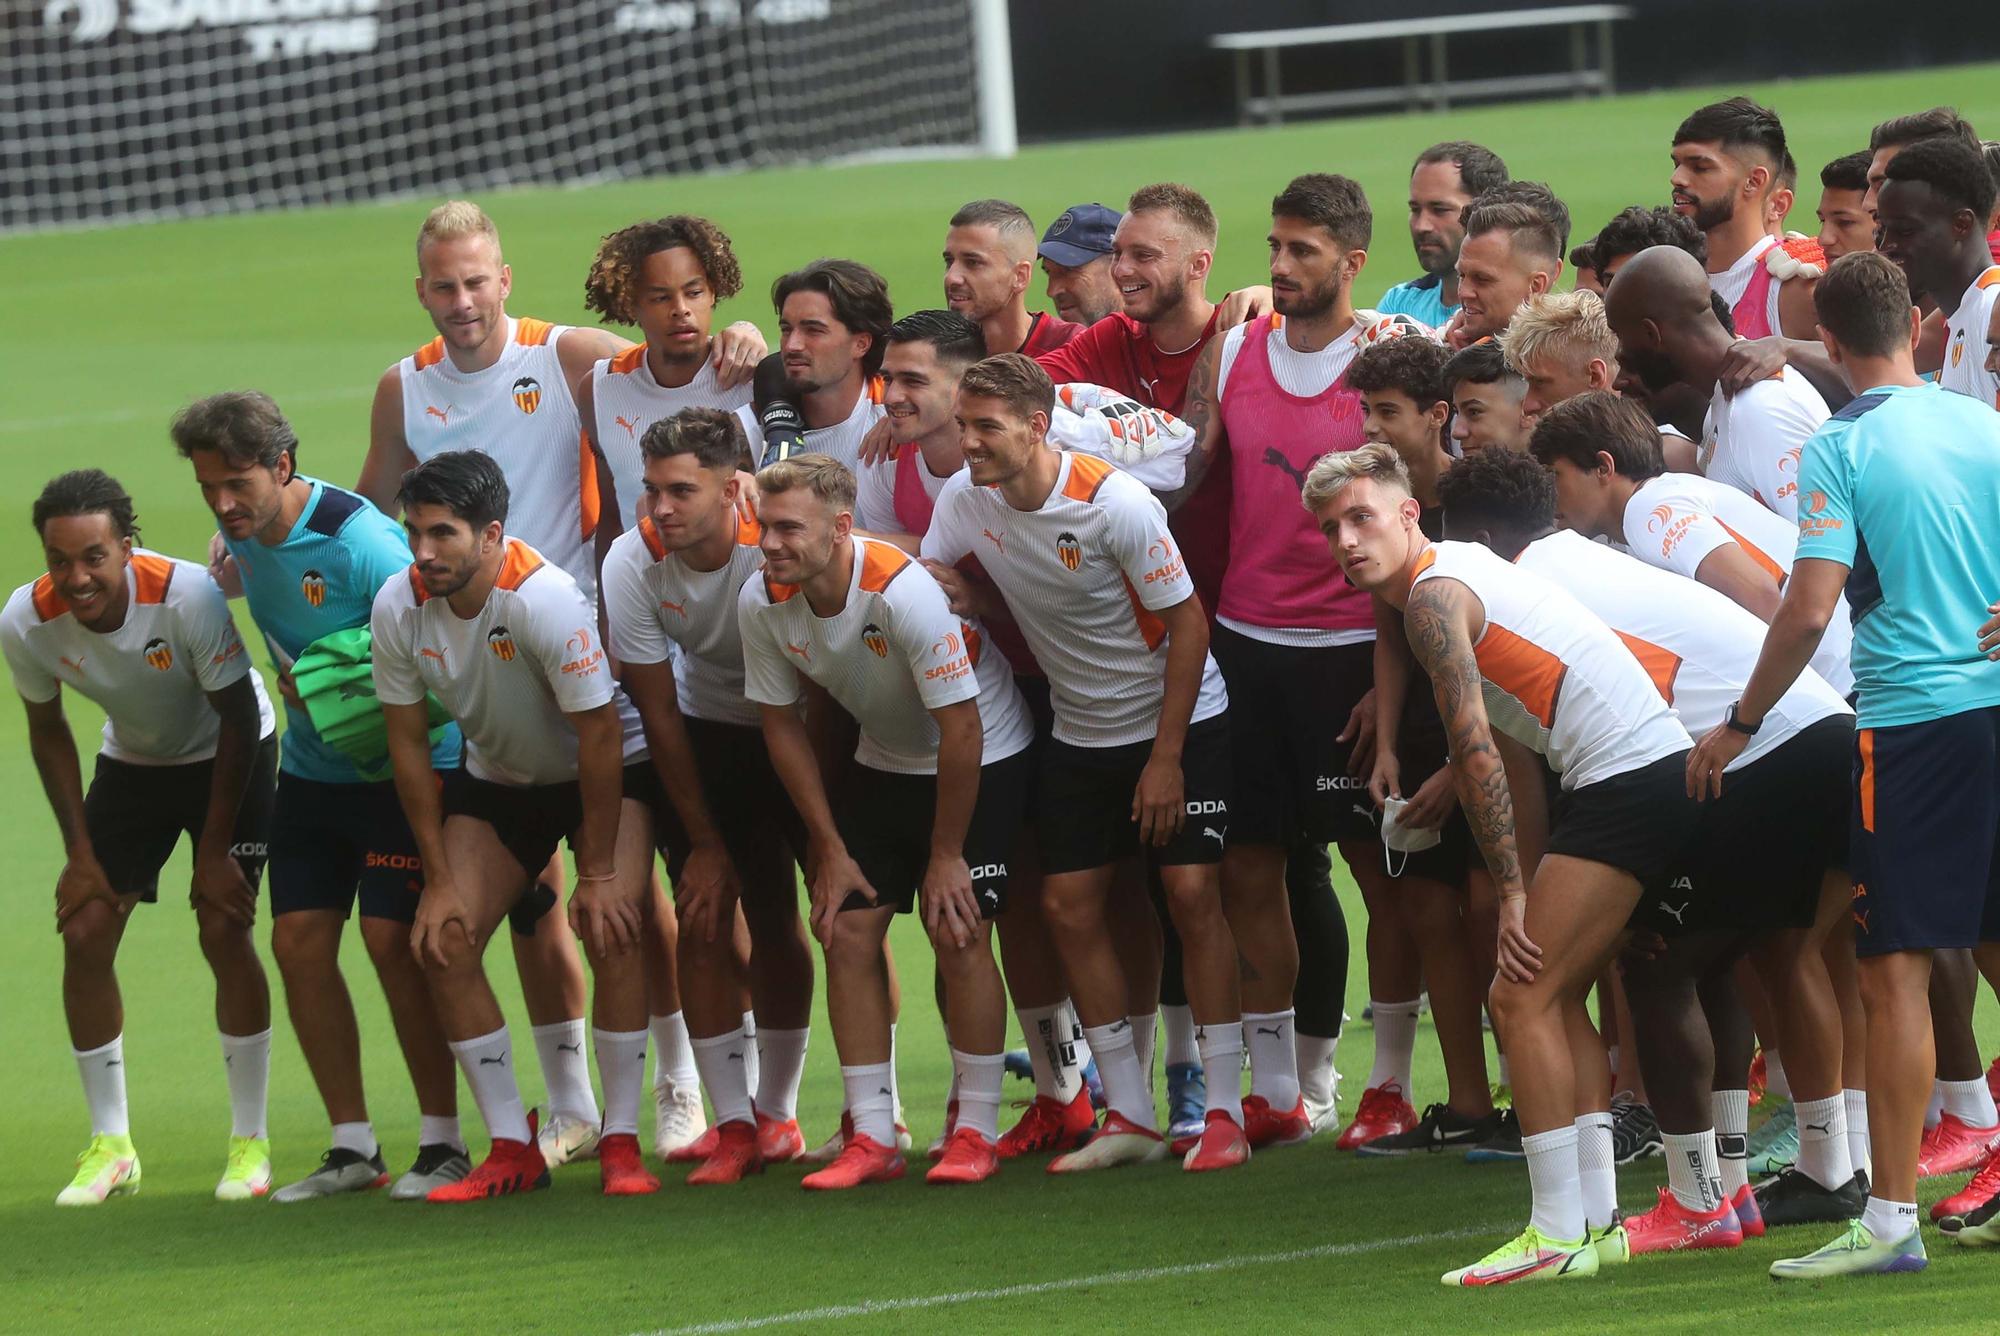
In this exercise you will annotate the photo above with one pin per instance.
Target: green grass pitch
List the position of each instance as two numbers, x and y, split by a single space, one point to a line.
108 332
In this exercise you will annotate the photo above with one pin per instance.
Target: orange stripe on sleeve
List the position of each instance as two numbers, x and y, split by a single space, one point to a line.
589 502
1990 277
649 534
1086 475
1662 665
1865 739
881 563
150 577
49 604
1758 555
749 532
430 354
521 562
532 332
1522 669
630 360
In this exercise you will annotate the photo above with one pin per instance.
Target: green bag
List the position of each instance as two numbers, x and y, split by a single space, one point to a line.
335 678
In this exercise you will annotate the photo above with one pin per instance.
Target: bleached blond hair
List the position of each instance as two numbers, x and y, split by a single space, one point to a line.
1330 474
1559 328
455 218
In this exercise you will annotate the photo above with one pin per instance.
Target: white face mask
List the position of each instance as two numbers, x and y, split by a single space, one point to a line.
1398 838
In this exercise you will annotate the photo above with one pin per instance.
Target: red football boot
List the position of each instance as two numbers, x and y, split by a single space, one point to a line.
509 1167
779 1140
1383 1112
1222 1144
738 1154
1265 1126
1672 1227
1953 1146
1975 1194
967 1157
695 1151
861 1160
620 1168
1049 1126
1748 1214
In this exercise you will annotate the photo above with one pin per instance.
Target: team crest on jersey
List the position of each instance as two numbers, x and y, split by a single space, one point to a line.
501 641
1957 348
313 585
1069 549
159 654
871 636
527 394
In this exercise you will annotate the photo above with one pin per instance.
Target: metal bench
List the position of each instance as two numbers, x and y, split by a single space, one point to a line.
1416 91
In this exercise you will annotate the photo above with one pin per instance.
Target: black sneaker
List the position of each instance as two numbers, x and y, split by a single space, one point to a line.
1503 1144
436 1165
1635 1132
1794 1197
1441 1128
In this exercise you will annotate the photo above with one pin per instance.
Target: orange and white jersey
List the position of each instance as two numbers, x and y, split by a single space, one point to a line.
1084 575
1556 678
1676 520
520 411
661 608
507 675
1696 645
1964 371
150 676
843 439
1753 441
892 654
626 399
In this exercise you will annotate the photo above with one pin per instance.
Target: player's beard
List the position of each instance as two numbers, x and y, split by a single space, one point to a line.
1440 259
1306 303
1167 299
1655 370
1710 214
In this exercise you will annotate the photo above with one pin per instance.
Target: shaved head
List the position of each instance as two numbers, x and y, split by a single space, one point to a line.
1661 312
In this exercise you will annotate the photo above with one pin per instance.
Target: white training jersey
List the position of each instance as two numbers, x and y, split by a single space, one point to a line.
520 411
1696 646
1965 342
507 675
843 439
1675 520
892 654
1084 575
1753 441
626 398
1733 283
1557 679
151 675
659 608
1305 374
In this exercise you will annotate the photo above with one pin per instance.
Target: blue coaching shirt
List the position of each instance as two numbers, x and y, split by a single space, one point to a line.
1903 487
323 578
1420 299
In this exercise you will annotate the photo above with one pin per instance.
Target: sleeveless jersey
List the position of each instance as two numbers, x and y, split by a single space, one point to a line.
1750 292
520 411
626 398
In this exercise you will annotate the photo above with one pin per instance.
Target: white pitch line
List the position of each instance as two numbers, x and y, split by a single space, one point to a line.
872 1307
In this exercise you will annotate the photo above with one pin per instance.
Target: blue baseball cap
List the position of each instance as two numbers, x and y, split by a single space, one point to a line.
1081 234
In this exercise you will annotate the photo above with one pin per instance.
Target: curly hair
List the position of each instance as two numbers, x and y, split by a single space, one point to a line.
611 289
1412 364
87 492
1638 228
1498 490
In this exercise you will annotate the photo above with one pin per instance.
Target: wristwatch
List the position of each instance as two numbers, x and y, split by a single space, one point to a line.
1735 721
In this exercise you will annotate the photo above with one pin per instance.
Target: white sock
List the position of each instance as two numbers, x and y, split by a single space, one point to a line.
439 1129
566 1069
871 1100
895 1087
1890 1221
1042 1029
1823 1154
357 1137
783 1064
1692 1173
1118 1067
1775 1081
488 1064
1316 1069
247 1060
978 1076
753 1051
1554 1180
1732 1138
673 1061
1395 1044
720 1061
1274 1057
1935 1109
103 1072
1858 1152
1178 1022
621 1066
1969 1101
1597 1169
1221 1049
1142 1044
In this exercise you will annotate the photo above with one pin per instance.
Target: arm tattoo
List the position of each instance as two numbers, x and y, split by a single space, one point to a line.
1435 622
1203 414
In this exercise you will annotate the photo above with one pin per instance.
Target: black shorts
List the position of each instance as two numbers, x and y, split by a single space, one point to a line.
1446 862
1761 849
746 799
885 821
136 814
1925 834
1083 801
532 821
332 844
1640 822
1287 707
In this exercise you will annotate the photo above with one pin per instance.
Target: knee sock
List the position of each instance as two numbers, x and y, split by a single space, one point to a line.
1043 1029
1692 1173
1274 1058
1557 1185
1732 1138
1318 1077
720 1061
1222 1065
1118 1067
1142 1045
753 1051
1177 1021
1856 1102
621 1065
488 1064
1823 1154
978 1076
1395 1044
1596 1169
871 1101
248 1060
565 1069
782 1067
103 1072
674 1062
